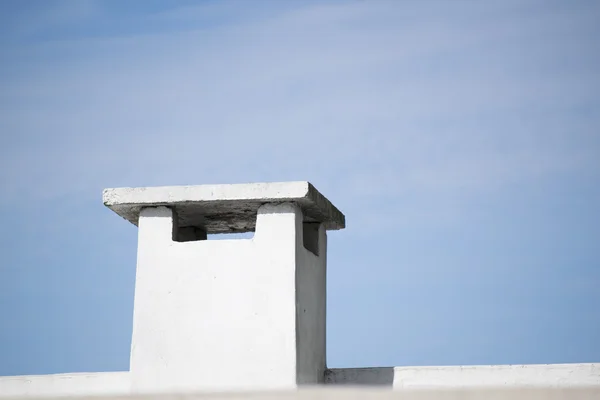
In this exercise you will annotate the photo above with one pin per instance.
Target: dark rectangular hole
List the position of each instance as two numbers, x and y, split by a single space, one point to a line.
310 236
189 234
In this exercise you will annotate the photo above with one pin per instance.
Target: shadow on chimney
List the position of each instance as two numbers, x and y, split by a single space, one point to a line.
383 376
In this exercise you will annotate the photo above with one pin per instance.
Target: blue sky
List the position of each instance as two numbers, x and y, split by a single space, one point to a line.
461 139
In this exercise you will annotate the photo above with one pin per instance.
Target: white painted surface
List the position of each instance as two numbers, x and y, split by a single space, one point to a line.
81 384
542 375
228 314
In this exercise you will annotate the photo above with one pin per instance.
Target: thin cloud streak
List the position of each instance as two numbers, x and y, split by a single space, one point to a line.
238 100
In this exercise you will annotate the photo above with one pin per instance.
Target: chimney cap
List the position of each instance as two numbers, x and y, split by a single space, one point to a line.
227 208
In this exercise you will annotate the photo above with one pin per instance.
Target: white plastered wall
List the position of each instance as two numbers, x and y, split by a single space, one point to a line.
228 314
78 384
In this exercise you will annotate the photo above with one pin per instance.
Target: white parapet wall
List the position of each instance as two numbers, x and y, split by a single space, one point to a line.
478 381
77 384
472 376
358 393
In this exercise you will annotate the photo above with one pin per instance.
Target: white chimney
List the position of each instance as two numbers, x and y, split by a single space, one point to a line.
228 314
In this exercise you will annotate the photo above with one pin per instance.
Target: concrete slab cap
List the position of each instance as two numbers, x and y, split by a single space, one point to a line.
224 208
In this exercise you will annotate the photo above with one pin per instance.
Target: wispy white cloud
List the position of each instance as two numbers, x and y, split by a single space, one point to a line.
367 98
35 18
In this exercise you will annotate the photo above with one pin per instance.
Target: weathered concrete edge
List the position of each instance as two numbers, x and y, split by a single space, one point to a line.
127 201
335 218
530 375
